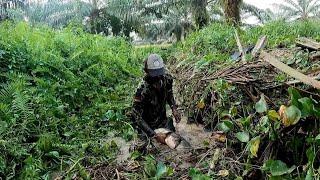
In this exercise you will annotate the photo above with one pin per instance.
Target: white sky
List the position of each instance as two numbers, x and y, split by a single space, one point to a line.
264 4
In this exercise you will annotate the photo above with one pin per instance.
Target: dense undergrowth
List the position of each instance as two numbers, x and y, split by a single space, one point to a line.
258 140
63 94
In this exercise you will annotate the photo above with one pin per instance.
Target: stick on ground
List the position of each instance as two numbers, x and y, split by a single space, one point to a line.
243 55
290 71
308 43
260 44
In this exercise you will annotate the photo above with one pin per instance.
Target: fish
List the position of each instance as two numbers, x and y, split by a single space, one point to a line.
162 134
171 139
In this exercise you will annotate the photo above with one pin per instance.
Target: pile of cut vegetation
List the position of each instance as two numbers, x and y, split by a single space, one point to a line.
265 123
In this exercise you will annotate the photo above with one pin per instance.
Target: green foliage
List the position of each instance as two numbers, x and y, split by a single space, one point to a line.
261 106
156 170
277 167
225 126
293 114
195 174
273 115
243 136
62 93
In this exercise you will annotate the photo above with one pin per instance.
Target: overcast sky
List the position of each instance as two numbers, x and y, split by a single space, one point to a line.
264 4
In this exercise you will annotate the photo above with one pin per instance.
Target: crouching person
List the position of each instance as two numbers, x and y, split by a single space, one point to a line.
149 106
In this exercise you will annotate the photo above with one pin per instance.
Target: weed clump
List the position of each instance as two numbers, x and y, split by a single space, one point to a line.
62 95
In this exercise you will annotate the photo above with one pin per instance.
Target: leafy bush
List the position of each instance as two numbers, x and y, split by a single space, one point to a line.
62 93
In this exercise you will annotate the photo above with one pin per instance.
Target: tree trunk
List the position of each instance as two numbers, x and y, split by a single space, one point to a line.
232 11
178 33
200 13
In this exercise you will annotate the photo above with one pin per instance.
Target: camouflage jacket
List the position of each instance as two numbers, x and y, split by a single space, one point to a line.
149 106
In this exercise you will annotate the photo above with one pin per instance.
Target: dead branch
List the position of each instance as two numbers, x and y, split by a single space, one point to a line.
290 71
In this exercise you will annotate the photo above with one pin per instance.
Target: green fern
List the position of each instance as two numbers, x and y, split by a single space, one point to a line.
21 107
6 93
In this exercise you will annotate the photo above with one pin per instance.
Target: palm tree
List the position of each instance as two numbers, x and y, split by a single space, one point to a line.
10 7
57 13
200 13
269 15
300 9
175 21
232 11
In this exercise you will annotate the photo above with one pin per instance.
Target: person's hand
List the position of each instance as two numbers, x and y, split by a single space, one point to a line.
176 115
160 138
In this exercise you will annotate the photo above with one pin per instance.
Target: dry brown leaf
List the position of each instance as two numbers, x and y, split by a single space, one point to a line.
282 111
283 116
219 136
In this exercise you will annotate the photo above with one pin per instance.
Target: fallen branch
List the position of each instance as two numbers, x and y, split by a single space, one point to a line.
308 43
242 53
260 44
290 71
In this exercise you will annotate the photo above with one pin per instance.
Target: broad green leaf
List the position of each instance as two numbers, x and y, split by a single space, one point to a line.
318 137
254 145
307 107
225 126
273 115
261 106
277 167
310 174
292 116
243 136
295 96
